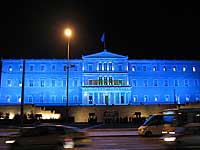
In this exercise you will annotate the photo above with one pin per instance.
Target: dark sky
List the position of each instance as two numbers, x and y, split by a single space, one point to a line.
148 29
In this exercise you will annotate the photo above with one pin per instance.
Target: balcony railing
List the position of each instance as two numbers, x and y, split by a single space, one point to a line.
106 83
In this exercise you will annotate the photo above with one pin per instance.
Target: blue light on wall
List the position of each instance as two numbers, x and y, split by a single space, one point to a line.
102 78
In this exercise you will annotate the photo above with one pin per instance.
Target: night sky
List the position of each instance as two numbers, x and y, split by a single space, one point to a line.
139 29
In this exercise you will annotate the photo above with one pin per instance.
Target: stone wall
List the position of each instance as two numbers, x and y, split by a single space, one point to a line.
80 113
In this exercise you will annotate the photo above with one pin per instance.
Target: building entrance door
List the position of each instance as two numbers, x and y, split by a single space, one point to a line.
106 100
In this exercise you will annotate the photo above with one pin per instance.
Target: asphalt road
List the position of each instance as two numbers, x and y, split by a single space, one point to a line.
113 142
125 143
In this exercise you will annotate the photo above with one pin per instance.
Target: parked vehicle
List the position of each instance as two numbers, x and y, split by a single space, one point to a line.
186 138
53 137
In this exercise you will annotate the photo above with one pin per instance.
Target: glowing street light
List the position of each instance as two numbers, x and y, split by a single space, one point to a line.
68 34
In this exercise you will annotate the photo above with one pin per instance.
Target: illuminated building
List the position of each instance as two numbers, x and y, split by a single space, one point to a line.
102 78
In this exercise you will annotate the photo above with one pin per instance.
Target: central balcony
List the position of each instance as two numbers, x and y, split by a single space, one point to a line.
106 83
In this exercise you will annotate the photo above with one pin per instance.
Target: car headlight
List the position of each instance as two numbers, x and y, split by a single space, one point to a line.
10 141
169 139
172 132
164 132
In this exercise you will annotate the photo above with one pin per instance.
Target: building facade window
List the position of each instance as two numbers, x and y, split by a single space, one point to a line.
120 82
155 98
110 80
19 99
100 81
166 98
90 100
105 66
145 98
155 82
122 99
164 68
31 67
90 67
193 69
75 67
154 68
90 82
75 99
134 83
64 99
186 83
53 82
53 98
20 68
9 82
187 98
135 98
10 69
100 66
65 68
145 83
120 67
197 98
110 66
53 68
30 83
19 83
174 68
133 68
144 68
75 83
175 82
196 82
42 68
8 99
41 99
105 81
166 83
42 83
63 83
30 99
184 68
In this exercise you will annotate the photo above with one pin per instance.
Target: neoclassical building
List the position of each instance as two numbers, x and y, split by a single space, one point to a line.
102 78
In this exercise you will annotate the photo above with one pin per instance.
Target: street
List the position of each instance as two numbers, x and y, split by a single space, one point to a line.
126 143
114 142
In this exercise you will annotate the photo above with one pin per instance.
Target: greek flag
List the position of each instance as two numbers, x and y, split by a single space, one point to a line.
103 38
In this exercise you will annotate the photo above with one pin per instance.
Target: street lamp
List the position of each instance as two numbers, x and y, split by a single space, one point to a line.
68 34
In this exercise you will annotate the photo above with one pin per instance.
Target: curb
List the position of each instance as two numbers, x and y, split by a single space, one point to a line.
113 129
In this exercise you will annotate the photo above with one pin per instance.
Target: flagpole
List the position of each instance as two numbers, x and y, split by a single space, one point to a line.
104 44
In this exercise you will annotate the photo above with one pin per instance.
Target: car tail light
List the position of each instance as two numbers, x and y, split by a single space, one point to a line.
68 142
68 139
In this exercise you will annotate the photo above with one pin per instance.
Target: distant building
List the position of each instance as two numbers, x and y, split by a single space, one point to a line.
103 78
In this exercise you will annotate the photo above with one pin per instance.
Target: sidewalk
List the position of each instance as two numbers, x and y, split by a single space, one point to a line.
112 132
93 131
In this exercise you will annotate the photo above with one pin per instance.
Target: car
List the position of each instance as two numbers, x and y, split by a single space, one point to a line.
54 137
154 125
187 137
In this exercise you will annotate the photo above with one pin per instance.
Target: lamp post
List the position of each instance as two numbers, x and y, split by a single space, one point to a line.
68 33
22 94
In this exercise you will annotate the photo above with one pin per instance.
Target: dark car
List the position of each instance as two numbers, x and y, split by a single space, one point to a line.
51 137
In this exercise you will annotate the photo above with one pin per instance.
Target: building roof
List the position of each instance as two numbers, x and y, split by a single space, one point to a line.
105 54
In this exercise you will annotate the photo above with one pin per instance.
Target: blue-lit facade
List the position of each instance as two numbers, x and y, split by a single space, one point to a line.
102 78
